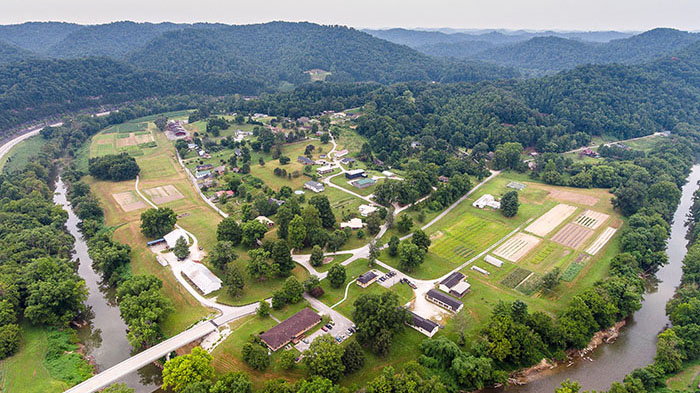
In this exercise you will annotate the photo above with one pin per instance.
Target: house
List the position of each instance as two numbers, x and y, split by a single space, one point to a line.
314 186
388 173
378 162
347 160
415 145
220 170
443 300
354 223
199 175
425 326
291 329
455 285
201 277
191 146
355 173
305 160
443 179
208 183
325 169
363 183
493 260
323 156
171 238
367 279
204 167
487 200
237 152
341 153
266 221
275 201
366 210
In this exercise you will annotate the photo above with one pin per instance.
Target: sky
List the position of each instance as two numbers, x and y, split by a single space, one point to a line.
623 15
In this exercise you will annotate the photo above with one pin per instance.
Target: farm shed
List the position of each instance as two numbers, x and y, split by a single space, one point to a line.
444 301
425 326
487 200
202 277
363 183
171 238
480 270
493 260
355 173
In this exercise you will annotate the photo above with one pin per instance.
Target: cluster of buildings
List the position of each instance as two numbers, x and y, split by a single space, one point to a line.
487 200
175 130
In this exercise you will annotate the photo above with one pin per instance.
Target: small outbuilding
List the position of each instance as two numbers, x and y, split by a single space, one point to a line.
171 238
265 221
425 326
443 300
206 281
367 279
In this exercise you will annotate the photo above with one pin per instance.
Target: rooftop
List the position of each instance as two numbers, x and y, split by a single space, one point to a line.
452 280
446 299
202 277
423 323
290 328
366 277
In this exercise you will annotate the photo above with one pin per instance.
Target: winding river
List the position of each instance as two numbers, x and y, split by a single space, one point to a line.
636 345
104 335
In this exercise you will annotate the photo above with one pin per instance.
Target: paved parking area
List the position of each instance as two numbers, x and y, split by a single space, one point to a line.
341 323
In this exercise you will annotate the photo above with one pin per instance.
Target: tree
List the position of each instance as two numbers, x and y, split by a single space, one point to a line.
55 294
234 280
421 240
118 388
324 358
198 387
316 258
258 267
297 232
405 223
10 338
233 382
181 371
279 299
182 248
253 231
374 253
287 360
293 290
336 275
311 283
568 387
317 385
155 223
161 122
551 279
410 256
378 317
263 309
394 246
223 254
324 209
229 230
353 357
255 356
374 223
509 204
282 257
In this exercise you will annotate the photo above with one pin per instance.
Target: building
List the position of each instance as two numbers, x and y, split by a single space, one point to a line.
347 160
291 329
367 279
237 152
455 285
325 169
341 153
443 300
355 173
305 160
201 277
487 200
220 170
363 183
354 223
275 201
203 167
299 192
171 238
366 210
516 185
425 326
415 145
388 173
314 186
265 221
199 175
443 179
493 260
480 270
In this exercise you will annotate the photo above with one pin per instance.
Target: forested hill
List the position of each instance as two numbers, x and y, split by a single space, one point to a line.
37 37
282 51
10 53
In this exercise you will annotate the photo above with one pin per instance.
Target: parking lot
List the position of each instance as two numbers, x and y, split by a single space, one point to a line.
341 324
391 278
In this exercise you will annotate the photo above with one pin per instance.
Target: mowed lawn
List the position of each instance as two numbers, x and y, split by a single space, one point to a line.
18 157
25 371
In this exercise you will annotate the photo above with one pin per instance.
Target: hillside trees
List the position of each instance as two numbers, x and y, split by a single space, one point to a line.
156 222
115 167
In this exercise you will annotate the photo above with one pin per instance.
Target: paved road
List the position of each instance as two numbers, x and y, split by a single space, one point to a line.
4 149
341 322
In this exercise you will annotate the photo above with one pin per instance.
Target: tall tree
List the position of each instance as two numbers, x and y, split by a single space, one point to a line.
157 222
229 230
181 371
324 209
510 203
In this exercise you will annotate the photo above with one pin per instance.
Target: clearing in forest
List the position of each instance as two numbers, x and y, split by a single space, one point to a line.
572 235
591 219
550 220
164 194
573 197
602 239
517 247
129 201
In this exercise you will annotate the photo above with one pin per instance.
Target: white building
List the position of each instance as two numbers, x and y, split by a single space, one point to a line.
487 200
265 221
366 210
314 186
493 260
201 277
354 223
171 238
325 169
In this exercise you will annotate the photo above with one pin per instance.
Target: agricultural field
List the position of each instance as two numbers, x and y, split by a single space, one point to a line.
134 138
19 155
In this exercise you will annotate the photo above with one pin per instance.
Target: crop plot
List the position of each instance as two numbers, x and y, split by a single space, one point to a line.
573 197
465 237
515 277
517 247
575 268
601 240
165 194
133 139
129 201
530 284
551 219
572 235
591 219
543 253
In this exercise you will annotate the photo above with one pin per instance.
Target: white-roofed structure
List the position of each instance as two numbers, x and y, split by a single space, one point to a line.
493 260
354 223
366 210
487 200
171 238
201 277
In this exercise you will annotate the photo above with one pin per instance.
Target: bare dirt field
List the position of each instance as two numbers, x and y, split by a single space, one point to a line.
572 235
517 247
129 201
573 197
550 220
164 194
601 240
591 219
134 139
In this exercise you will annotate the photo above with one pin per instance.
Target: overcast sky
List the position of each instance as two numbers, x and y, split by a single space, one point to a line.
509 14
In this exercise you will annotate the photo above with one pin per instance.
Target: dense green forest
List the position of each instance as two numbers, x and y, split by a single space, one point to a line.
12 54
37 37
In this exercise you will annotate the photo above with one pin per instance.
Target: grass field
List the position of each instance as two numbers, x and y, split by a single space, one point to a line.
25 371
20 154
687 379
110 141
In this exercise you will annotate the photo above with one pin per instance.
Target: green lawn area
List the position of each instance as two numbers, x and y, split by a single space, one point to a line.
333 295
687 379
347 138
255 290
18 157
25 371
336 259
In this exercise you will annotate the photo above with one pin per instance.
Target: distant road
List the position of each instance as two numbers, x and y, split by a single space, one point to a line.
4 149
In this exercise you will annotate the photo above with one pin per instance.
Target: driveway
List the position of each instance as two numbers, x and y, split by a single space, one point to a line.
341 322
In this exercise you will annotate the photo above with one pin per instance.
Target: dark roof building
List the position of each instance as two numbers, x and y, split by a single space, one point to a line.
305 160
290 329
443 300
366 279
425 326
452 280
355 173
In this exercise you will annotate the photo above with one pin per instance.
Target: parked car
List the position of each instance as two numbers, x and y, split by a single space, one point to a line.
328 326
325 329
305 341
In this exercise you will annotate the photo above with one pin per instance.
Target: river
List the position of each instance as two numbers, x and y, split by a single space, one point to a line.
636 345
104 336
